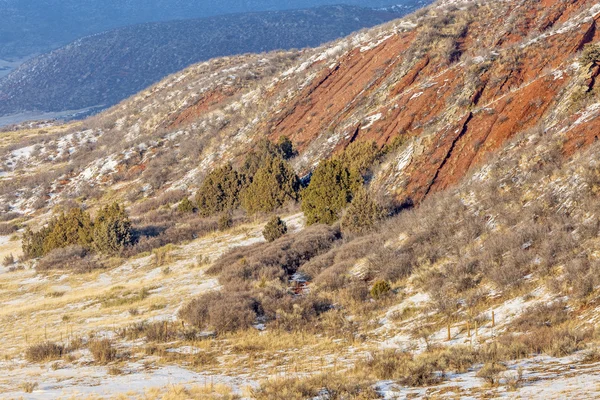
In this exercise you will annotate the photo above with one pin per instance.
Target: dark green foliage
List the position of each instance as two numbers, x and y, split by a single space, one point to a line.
33 242
359 157
71 229
274 184
185 206
263 153
394 145
286 147
219 191
112 229
109 233
331 188
274 229
380 289
362 214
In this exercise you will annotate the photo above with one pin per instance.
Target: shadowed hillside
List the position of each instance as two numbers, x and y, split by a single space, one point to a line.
103 69
34 26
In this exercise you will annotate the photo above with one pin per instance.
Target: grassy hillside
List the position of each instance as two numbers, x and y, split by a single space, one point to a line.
401 213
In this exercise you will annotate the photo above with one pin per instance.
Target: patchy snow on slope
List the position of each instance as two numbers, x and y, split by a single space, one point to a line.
372 45
77 381
405 157
371 120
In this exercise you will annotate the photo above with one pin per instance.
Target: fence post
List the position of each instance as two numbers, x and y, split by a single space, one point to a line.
468 329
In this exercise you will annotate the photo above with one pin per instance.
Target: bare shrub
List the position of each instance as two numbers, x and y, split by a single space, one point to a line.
167 198
409 370
491 372
29 387
46 351
102 350
9 216
541 315
331 386
8 260
72 258
275 260
222 312
8 229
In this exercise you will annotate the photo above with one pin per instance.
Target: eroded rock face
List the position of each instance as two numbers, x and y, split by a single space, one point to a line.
516 69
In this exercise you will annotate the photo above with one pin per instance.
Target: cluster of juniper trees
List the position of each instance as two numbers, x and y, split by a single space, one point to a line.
263 183
109 233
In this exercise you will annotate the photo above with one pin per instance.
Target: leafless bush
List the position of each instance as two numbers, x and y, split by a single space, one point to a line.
167 198
541 315
275 260
8 229
102 350
44 352
223 312
72 258
8 260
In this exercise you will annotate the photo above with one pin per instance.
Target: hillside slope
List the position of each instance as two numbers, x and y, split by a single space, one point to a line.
101 70
429 82
480 282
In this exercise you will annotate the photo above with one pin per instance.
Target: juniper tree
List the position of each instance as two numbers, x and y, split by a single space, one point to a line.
274 184
331 188
112 229
219 191
362 214
274 229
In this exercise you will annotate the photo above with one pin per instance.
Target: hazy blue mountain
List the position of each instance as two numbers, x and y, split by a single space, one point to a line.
36 26
103 69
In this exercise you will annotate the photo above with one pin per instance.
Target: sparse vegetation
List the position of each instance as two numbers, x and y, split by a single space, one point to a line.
362 215
380 289
274 229
422 261
102 350
29 387
8 260
43 352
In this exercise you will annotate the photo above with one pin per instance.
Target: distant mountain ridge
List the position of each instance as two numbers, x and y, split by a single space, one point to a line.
38 26
103 69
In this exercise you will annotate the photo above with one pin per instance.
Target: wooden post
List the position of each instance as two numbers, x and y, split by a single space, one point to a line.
468 329
493 319
476 328
449 337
